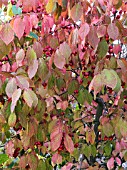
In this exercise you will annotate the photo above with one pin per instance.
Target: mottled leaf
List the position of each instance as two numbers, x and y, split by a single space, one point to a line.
56 159
33 69
7 34
59 59
92 37
42 69
113 31
84 30
76 12
4 49
11 87
19 57
30 98
12 119
15 97
68 143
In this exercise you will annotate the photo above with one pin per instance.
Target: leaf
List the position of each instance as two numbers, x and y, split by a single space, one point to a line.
118 161
66 53
107 129
113 31
62 105
110 163
32 69
73 85
102 48
16 10
51 6
56 136
3 158
15 97
7 33
9 148
68 166
123 128
27 23
28 6
68 143
12 119
19 57
83 31
19 27
117 3
56 159
22 82
96 84
92 37
90 137
30 55
76 12
32 161
32 34
23 162
4 49
110 78
108 149
11 87
101 31
30 98
41 165
42 69
59 59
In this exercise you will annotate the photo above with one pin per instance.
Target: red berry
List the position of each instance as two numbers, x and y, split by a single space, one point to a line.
120 12
108 56
118 17
81 81
93 67
44 84
76 91
110 47
71 63
62 113
66 65
110 51
114 12
76 145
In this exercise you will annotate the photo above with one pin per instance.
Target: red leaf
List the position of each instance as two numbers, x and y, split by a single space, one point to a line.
110 163
19 27
19 57
117 49
15 97
113 31
7 34
84 30
29 6
56 159
56 136
11 87
68 143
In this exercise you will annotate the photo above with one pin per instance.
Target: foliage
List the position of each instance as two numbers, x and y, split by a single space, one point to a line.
63 84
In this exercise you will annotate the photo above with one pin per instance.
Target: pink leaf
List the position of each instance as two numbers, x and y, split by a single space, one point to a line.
6 67
33 21
29 6
11 87
66 53
62 105
59 60
110 163
7 34
30 98
84 30
118 147
15 97
33 69
117 49
76 12
113 31
118 161
22 82
67 167
93 38
68 143
101 31
19 27
56 159
26 21
38 49
9 148
19 57
56 136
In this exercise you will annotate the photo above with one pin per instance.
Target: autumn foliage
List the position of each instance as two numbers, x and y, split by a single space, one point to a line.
63 84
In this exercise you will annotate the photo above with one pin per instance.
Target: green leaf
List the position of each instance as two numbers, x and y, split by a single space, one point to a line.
87 151
41 165
94 150
51 82
73 85
88 96
42 69
102 48
32 34
107 129
16 10
12 119
60 83
108 149
3 158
